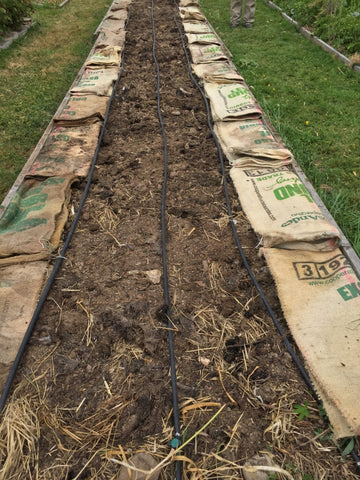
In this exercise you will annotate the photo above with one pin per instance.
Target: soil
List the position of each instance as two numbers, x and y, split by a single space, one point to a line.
96 374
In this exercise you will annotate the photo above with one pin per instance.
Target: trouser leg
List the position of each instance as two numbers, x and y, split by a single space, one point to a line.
249 11
235 12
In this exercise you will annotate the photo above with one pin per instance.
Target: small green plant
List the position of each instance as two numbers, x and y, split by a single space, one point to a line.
323 435
302 410
347 447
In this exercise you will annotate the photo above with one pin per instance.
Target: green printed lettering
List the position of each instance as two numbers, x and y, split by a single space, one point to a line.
61 137
281 193
293 190
212 49
53 159
349 291
264 133
54 181
258 141
287 191
15 218
33 201
249 125
239 91
26 224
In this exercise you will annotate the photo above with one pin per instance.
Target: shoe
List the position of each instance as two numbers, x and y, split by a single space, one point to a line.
234 25
248 25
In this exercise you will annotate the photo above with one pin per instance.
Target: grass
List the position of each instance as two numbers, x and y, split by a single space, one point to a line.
310 98
35 74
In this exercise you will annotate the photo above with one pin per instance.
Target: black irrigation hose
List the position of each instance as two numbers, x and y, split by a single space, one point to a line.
289 348
170 325
60 258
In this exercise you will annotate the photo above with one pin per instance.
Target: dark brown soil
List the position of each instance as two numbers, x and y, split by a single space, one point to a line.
96 372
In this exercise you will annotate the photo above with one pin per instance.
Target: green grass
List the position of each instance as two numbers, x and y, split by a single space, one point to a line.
311 99
35 74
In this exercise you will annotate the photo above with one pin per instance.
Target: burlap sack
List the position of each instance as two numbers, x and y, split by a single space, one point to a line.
107 38
120 4
82 110
109 25
250 138
281 210
96 82
341 428
320 297
231 101
35 217
67 152
118 14
188 3
217 72
202 38
206 53
20 288
197 27
105 57
191 13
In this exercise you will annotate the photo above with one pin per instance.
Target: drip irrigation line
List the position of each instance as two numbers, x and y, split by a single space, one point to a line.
170 325
276 322
61 257
233 227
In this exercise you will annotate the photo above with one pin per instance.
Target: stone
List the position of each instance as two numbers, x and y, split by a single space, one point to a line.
258 460
142 461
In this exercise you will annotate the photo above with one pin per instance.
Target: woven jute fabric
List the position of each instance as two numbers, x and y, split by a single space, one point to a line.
20 287
198 27
68 151
105 57
206 53
96 82
82 110
34 219
320 297
281 210
202 38
250 137
191 13
231 101
217 72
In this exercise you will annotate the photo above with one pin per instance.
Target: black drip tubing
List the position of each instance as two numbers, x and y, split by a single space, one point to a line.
170 325
289 348
61 257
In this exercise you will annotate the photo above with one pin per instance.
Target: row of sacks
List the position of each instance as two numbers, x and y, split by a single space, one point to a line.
36 215
32 224
318 288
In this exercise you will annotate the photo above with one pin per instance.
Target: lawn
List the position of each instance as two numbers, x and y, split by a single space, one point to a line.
35 74
310 98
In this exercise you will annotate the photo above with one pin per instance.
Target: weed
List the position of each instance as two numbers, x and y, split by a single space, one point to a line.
348 446
302 410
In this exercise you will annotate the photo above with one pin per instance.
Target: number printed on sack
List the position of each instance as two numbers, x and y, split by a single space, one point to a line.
320 270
